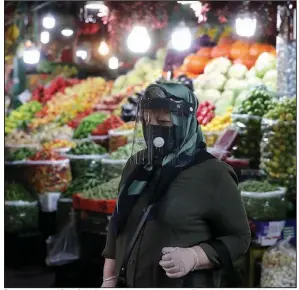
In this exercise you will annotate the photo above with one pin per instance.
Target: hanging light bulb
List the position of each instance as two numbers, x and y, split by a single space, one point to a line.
31 55
49 22
45 37
103 48
81 54
67 32
181 38
246 26
113 62
139 40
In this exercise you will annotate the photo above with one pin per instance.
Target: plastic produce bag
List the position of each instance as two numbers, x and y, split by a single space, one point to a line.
279 266
64 247
48 176
266 205
83 164
48 201
112 168
278 153
249 137
20 215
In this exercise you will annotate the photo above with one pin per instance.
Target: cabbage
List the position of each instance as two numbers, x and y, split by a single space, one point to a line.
265 62
215 80
200 82
243 96
133 78
228 95
270 76
222 106
219 64
254 82
251 73
199 94
237 71
235 85
211 95
119 82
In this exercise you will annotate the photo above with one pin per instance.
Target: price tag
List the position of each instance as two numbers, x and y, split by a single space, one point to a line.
25 97
275 229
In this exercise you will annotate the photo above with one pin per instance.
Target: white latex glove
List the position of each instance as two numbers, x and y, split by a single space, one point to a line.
110 283
178 262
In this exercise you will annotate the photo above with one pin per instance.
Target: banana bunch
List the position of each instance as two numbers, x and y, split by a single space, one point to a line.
21 115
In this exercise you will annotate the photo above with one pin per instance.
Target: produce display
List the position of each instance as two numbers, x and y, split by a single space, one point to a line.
89 124
119 138
247 121
57 69
20 209
225 84
21 154
87 148
86 158
21 116
58 144
52 132
64 107
110 123
279 266
74 123
145 71
18 137
205 113
44 94
122 153
105 191
264 201
48 171
82 184
278 146
215 127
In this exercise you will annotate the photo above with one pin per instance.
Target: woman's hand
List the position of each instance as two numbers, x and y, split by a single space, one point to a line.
178 262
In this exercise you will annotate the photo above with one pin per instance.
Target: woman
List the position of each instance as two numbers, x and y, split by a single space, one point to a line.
197 225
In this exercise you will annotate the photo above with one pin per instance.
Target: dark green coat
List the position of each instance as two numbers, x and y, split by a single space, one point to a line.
202 203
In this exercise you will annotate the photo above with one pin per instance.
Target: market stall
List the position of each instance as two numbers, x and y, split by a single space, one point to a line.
69 128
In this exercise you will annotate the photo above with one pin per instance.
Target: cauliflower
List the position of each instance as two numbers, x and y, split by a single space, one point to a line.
251 73
211 95
219 64
223 104
215 80
270 76
235 85
254 82
237 71
200 82
265 62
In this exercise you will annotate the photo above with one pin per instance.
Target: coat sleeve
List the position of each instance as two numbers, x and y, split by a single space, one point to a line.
229 222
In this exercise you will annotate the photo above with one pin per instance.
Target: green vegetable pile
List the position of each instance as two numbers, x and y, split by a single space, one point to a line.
21 154
278 146
105 191
257 186
21 116
248 123
123 152
88 148
262 206
88 124
258 103
20 210
82 184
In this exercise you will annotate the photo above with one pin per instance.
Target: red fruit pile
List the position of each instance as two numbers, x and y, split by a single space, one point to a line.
205 113
44 94
111 123
46 155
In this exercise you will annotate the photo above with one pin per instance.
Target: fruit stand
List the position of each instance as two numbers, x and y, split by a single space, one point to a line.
66 145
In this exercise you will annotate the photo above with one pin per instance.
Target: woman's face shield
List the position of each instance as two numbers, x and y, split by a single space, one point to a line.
159 129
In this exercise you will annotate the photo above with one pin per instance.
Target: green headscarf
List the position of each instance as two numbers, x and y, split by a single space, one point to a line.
192 131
